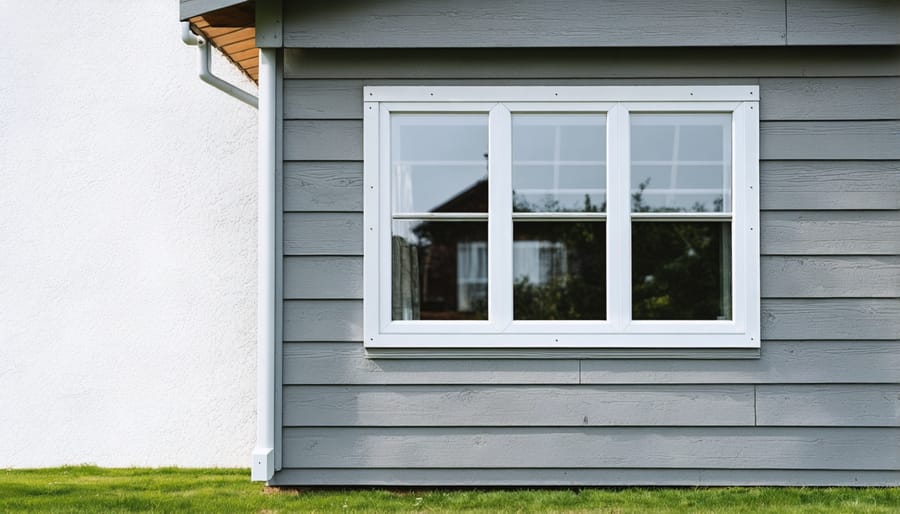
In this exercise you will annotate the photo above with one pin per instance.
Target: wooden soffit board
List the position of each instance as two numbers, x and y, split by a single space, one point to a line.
233 31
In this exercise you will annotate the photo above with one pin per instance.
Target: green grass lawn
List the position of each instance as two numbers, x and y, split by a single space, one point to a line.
92 489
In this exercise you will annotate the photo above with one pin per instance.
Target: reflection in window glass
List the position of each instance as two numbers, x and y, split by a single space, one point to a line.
681 271
559 270
559 162
471 275
439 270
439 162
681 162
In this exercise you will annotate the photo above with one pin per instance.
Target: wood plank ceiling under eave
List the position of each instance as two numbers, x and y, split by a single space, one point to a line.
237 43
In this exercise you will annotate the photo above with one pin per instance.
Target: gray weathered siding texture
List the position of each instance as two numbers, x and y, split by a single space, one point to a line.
594 23
821 405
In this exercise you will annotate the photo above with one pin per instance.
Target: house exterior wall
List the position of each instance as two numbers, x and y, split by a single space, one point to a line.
580 23
127 243
820 405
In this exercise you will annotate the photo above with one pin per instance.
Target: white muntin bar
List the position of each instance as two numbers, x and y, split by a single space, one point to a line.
558 216
681 216
446 216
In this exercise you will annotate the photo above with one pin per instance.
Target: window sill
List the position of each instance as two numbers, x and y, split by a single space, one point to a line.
563 353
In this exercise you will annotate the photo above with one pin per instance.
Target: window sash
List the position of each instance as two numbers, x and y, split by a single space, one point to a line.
618 330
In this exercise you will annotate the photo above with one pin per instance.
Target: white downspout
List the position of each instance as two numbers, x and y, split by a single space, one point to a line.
264 453
206 75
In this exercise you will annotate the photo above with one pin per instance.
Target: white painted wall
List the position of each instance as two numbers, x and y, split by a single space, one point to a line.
127 242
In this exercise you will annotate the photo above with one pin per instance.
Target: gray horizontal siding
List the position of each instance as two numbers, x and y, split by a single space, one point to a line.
830 233
860 22
829 140
830 98
518 405
782 277
323 186
832 318
569 477
829 185
341 140
323 99
323 140
549 23
333 320
574 63
824 388
533 23
785 185
794 362
594 447
830 277
346 363
332 277
783 99
783 319
782 233
780 362
323 233
829 405
323 277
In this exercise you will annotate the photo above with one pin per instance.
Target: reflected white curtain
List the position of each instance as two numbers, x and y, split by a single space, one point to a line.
539 261
471 274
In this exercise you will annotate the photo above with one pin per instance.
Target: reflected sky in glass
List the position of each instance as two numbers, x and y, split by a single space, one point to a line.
681 162
559 162
439 162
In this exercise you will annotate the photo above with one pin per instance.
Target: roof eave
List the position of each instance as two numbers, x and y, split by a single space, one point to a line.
223 12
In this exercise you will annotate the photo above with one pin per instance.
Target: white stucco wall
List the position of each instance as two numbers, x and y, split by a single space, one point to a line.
127 242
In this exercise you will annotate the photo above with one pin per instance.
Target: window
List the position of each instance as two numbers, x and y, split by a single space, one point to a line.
561 217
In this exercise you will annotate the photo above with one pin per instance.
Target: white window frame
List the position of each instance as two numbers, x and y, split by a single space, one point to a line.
618 331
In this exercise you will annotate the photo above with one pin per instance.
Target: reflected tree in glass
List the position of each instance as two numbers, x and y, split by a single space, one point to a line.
559 262
680 270
559 266
681 266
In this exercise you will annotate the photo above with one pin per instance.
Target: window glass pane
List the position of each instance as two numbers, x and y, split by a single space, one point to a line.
681 162
559 162
681 270
559 270
439 270
439 162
